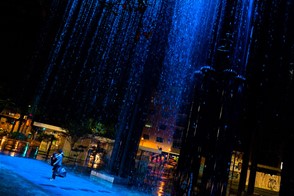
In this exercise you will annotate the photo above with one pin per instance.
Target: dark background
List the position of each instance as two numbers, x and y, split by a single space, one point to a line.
22 24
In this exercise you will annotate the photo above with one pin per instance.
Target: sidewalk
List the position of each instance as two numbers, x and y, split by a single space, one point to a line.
26 176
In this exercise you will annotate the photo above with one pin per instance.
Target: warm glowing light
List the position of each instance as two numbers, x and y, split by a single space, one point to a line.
148 125
16 144
2 142
161 188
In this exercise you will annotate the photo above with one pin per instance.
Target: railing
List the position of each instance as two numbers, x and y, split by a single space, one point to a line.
72 163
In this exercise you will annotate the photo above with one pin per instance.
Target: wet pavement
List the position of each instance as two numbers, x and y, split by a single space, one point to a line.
27 176
22 176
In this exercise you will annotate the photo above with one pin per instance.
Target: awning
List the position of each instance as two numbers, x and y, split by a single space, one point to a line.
149 149
50 127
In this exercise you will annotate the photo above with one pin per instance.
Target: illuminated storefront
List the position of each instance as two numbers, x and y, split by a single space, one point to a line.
267 177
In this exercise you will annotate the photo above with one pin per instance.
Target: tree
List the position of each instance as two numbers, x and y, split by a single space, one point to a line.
76 129
101 129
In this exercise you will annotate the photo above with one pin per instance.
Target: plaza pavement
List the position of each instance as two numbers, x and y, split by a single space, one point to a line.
30 177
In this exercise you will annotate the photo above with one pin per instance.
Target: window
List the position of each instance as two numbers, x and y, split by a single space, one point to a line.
146 137
159 139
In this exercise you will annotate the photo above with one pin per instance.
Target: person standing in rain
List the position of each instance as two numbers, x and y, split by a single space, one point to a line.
57 164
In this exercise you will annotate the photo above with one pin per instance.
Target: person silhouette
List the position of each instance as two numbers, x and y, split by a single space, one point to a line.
57 164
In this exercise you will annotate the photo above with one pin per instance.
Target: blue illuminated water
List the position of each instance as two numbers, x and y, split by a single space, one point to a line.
99 57
187 51
103 47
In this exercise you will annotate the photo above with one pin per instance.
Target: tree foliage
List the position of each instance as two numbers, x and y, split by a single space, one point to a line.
76 129
101 129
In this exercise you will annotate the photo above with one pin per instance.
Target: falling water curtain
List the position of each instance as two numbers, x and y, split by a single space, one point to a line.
219 60
97 67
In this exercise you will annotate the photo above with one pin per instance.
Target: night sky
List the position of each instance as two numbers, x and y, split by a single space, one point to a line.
21 23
